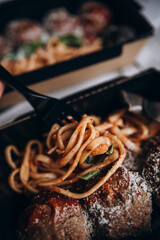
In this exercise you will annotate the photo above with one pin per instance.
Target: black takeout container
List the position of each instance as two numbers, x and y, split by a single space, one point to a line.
99 100
124 11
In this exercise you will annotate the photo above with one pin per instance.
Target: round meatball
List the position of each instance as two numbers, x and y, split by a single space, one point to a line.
117 34
133 161
95 15
150 144
122 206
59 22
23 31
52 216
151 171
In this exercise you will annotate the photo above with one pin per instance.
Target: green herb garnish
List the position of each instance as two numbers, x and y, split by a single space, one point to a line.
110 150
10 56
89 160
99 158
30 48
102 157
71 40
90 175
25 50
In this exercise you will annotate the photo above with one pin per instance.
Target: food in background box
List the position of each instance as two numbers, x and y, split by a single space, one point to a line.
28 43
117 34
60 22
96 14
23 31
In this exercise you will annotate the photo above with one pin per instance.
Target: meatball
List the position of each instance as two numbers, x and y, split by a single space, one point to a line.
151 171
133 161
122 207
52 216
95 15
118 34
150 144
23 31
59 22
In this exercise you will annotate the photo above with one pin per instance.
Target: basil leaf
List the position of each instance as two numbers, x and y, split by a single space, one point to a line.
110 150
89 160
10 56
99 158
102 157
71 40
90 175
30 48
25 50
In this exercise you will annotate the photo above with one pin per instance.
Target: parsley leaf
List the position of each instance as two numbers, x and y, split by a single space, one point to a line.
99 158
90 160
71 40
10 56
110 150
30 48
90 175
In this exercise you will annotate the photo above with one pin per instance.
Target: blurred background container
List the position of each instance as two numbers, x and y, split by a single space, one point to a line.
69 83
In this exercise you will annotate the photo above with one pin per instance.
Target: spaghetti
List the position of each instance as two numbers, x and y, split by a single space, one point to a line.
75 151
55 51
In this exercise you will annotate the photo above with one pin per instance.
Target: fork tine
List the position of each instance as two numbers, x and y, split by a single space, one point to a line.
76 116
59 122
134 101
73 113
64 117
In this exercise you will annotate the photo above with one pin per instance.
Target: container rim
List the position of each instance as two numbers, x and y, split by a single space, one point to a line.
86 93
79 62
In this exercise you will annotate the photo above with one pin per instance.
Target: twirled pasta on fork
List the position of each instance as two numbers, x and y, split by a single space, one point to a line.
78 150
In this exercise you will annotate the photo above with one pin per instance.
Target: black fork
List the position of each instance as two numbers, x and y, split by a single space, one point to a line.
50 110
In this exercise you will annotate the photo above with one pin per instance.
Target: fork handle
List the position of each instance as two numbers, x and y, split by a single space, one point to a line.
18 86
14 83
